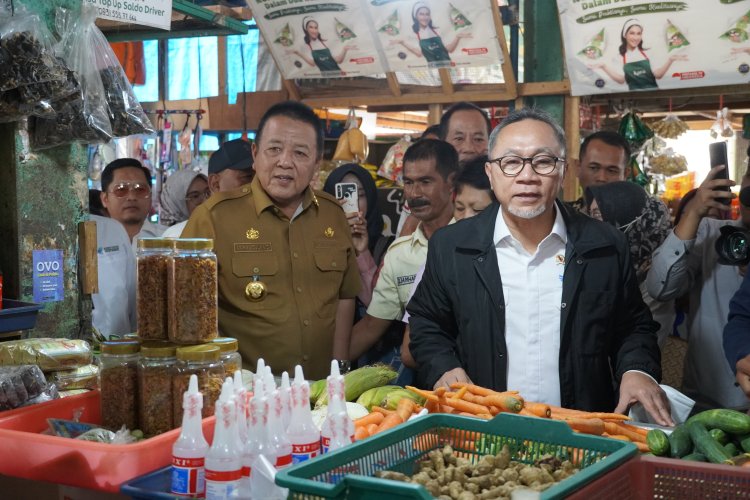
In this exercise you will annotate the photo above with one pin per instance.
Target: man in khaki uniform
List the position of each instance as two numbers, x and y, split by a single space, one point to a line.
429 168
287 269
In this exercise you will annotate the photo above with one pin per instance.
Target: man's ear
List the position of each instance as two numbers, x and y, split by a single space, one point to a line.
103 196
451 177
213 183
254 149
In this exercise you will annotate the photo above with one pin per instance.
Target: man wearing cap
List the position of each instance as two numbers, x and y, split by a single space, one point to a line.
229 167
287 269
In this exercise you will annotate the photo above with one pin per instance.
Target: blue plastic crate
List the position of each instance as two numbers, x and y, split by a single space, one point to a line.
154 485
16 315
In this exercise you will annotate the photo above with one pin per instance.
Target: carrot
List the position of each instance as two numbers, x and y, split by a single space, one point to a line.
642 447
460 393
381 410
440 391
446 409
428 395
618 429
523 411
485 416
372 428
619 437
594 426
405 408
461 405
417 408
432 406
466 414
372 418
505 403
361 433
586 414
538 409
481 391
494 410
389 422
634 428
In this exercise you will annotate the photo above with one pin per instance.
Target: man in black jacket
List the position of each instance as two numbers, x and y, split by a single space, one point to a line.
566 324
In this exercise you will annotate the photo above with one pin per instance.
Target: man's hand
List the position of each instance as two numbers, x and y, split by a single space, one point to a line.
640 388
743 375
452 376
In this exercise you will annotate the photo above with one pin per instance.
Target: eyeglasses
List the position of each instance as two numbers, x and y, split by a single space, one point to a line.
512 165
625 228
139 189
198 195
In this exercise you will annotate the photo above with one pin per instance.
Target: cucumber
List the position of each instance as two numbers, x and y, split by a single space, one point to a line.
730 421
657 442
744 442
707 445
731 450
680 443
719 435
695 457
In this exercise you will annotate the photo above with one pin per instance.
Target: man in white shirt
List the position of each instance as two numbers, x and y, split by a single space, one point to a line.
566 324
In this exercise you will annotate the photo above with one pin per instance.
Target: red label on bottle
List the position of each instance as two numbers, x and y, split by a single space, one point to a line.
302 452
283 461
188 462
223 475
246 472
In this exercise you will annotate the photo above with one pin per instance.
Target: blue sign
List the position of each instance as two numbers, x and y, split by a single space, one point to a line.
48 275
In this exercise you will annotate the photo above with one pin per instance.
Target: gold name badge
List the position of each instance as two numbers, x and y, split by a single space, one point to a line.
255 291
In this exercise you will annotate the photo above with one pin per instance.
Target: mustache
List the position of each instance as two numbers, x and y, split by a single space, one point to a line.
419 202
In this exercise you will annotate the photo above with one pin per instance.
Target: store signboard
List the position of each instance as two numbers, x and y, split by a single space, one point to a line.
155 13
633 45
47 275
314 39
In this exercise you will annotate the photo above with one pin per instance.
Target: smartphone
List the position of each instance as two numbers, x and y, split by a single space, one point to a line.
718 153
347 191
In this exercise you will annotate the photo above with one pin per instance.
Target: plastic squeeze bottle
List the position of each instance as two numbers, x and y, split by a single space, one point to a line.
339 426
302 432
240 400
223 466
277 437
286 400
256 442
189 451
335 388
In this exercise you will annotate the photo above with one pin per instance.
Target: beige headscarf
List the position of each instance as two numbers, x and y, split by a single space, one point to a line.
173 205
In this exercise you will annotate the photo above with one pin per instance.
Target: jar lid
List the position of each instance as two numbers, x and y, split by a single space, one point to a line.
204 352
165 243
130 336
227 344
158 349
120 347
194 244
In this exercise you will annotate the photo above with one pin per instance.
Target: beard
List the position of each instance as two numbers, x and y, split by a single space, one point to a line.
527 213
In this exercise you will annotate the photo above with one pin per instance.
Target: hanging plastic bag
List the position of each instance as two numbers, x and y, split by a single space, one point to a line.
31 76
82 116
634 130
393 164
352 145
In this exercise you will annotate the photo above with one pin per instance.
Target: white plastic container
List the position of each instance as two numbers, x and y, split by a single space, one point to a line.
303 434
190 449
223 465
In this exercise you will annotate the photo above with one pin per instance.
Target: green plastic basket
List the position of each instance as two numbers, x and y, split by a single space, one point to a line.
347 472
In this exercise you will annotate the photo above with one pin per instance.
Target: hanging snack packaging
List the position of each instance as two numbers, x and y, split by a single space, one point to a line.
675 38
393 164
31 75
634 130
392 25
82 116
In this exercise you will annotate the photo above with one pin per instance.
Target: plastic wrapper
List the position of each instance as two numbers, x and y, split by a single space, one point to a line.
634 130
670 127
20 385
83 116
83 377
47 353
393 164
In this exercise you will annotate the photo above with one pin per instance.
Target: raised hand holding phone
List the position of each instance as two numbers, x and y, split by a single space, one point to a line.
347 191
718 153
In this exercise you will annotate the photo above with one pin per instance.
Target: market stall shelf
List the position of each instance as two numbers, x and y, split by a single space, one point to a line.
16 315
84 464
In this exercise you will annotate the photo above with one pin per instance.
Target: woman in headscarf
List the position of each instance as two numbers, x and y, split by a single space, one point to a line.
642 218
183 191
366 224
431 45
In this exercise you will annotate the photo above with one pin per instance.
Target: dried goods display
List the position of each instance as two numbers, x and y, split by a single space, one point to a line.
25 60
119 387
155 398
446 475
209 383
668 163
670 127
20 384
151 295
84 377
193 292
49 354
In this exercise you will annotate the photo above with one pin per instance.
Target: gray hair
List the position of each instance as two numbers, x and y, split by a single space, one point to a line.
519 115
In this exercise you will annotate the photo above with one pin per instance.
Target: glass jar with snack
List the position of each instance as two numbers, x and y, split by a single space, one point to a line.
118 381
156 369
153 258
203 361
193 292
230 357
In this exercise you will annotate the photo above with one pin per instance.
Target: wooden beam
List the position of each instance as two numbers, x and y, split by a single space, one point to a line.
666 93
434 114
89 265
445 81
292 90
393 84
508 77
384 98
222 61
572 126
544 88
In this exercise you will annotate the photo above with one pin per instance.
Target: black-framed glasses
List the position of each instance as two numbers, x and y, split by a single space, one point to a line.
139 189
512 165
198 195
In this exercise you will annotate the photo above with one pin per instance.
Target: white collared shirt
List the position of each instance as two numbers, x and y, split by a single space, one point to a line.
532 289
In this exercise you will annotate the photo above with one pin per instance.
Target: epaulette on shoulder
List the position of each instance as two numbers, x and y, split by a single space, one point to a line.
233 194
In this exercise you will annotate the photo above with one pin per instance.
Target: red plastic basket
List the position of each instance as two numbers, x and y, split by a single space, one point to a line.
652 477
28 454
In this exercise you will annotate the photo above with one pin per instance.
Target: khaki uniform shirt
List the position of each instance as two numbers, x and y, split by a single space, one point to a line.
306 264
405 257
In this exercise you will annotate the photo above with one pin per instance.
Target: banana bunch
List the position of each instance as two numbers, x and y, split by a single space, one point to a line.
352 145
670 127
355 383
388 397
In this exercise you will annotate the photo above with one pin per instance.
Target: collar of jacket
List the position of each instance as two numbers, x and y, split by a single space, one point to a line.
581 240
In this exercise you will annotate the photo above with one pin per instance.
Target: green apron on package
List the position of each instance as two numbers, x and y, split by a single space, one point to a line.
638 75
433 49
324 60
